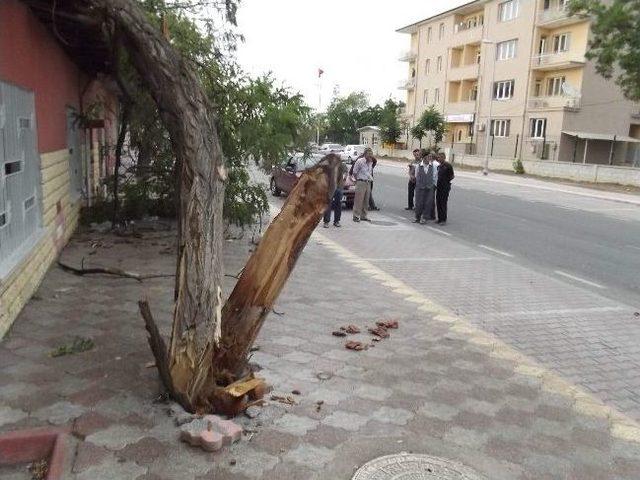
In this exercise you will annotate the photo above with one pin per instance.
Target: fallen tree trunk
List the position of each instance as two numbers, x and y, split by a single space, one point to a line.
268 269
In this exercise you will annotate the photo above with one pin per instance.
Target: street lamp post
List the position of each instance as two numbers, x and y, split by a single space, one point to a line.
485 170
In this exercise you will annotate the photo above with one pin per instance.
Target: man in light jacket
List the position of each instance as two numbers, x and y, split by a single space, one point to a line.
363 175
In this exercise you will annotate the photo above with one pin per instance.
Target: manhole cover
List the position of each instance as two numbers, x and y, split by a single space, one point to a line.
383 223
408 466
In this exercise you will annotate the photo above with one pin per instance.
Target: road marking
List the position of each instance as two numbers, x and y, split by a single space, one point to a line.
578 279
557 311
437 230
423 259
494 250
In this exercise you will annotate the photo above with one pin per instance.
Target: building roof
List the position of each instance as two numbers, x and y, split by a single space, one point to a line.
470 6
369 127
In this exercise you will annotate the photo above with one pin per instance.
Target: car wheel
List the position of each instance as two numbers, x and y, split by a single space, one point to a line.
274 190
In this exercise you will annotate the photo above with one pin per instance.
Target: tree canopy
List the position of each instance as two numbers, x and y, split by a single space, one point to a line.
615 41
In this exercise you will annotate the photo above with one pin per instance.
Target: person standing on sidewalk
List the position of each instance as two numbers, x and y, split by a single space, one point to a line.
426 181
443 187
411 186
335 203
372 203
363 174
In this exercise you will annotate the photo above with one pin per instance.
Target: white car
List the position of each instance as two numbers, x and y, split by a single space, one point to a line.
327 148
351 152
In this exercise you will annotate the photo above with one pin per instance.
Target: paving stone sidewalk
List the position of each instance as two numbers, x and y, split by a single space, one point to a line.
427 389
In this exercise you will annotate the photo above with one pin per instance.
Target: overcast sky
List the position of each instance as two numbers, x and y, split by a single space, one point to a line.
353 41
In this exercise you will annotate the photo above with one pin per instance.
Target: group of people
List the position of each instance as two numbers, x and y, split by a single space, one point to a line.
362 172
430 177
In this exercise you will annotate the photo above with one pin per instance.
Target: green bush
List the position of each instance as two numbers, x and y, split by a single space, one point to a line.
518 167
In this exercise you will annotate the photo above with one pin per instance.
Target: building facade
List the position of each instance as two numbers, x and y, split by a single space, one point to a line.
511 78
52 161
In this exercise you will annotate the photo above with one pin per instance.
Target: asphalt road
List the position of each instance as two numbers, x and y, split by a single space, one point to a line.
579 240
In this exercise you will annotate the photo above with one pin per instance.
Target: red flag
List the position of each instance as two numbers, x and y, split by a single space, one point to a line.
320 72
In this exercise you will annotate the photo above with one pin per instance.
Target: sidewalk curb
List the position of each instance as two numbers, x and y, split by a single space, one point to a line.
620 425
396 164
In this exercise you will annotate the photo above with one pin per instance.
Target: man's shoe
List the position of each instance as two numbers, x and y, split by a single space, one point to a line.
326 225
337 224
356 219
442 222
409 208
423 222
417 220
375 208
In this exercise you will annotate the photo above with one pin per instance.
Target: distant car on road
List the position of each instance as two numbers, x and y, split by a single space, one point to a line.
327 148
351 152
284 178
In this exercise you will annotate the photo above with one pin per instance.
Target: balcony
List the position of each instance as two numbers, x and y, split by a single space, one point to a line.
557 61
465 34
408 56
557 102
557 16
460 108
409 84
464 72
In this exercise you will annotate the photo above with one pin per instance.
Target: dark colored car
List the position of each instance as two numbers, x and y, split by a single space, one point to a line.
284 178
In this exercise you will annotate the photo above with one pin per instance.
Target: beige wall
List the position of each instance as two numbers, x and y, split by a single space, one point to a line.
60 217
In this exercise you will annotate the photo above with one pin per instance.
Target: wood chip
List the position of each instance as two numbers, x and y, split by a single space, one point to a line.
354 345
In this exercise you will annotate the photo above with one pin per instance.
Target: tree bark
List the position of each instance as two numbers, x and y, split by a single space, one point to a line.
124 124
188 115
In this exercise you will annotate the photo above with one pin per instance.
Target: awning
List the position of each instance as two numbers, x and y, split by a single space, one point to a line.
607 137
459 118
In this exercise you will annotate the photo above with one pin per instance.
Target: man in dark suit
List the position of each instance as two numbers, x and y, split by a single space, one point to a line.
443 187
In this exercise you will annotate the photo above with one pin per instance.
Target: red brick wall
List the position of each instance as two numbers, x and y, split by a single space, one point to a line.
31 58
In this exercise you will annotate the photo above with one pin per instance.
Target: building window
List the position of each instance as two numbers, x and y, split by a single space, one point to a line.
554 86
508 10
439 64
3 219
436 97
500 128
441 31
537 89
29 202
11 168
429 35
538 127
506 50
427 66
425 97
503 90
561 42
24 123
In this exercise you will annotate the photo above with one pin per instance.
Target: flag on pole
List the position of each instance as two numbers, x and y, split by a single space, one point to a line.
320 72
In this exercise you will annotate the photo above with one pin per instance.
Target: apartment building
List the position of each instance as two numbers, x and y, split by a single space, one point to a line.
511 78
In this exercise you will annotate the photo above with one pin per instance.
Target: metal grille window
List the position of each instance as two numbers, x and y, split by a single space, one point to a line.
538 127
20 184
508 10
500 128
506 50
503 90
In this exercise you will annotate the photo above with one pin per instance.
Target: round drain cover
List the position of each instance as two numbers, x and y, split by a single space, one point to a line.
408 466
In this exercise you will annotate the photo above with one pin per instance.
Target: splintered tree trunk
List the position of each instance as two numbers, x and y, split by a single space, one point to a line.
269 267
208 347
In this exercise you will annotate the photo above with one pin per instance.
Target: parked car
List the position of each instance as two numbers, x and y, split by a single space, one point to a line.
327 148
284 178
351 152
